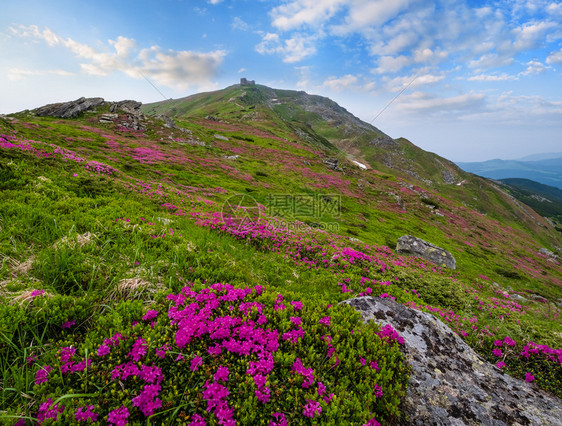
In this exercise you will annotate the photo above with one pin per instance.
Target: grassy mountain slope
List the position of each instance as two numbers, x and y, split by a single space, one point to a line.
544 199
107 233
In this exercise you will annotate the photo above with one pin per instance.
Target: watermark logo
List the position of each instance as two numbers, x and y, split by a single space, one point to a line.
241 210
291 211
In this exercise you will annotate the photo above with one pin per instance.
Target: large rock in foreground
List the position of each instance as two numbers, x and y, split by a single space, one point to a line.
69 109
450 383
413 246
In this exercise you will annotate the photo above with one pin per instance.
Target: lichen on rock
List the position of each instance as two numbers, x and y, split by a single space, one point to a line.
450 383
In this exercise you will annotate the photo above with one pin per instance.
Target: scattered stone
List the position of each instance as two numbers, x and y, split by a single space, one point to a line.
220 137
538 298
448 177
384 141
108 118
450 383
518 298
232 157
68 109
410 245
551 257
333 164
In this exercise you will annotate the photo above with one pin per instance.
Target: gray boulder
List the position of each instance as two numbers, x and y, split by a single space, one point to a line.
450 384
68 109
409 245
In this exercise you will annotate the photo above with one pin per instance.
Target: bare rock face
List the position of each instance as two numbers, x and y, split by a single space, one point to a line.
69 109
450 384
128 106
413 246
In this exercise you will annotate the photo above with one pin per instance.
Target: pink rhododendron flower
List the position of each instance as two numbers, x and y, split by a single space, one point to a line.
83 414
42 373
66 354
311 408
196 362
150 315
197 420
46 412
148 400
509 341
325 321
36 293
138 350
297 305
377 391
500 364
119 416
161 351
103 350
68 324
497 352
280 420
498 343
296 320
221 374
529 377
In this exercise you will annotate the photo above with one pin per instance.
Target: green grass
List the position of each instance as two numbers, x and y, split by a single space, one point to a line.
105 249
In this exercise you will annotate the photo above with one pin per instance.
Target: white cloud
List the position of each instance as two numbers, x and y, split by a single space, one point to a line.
19 73
342 83
391 64
398 83
490 60
293 50
177 69
492 77
427 56
555 58
241 70
528 36
534 67
420 102
554 9
239 24
298 13
370 13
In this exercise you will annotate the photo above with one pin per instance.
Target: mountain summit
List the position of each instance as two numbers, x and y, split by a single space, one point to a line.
316 120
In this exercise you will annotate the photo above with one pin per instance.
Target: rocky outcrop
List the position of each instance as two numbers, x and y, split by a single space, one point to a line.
134 119
127 106
332 163
68 109
407 244
452 385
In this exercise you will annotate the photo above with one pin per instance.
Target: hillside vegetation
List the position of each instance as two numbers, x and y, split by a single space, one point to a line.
189 272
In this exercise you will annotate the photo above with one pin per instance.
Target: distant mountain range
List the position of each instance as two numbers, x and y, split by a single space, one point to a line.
547 170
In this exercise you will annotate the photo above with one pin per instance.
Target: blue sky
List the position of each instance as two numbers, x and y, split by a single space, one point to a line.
469 80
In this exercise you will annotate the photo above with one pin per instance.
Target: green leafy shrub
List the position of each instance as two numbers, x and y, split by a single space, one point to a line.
223 353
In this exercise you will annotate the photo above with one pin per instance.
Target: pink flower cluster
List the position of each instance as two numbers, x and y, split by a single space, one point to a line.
390 334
